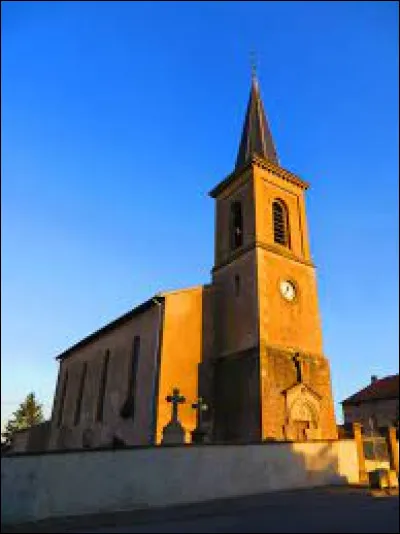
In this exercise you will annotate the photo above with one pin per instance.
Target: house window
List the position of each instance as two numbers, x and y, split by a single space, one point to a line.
62 399
236 225
280 222
102 388
80 394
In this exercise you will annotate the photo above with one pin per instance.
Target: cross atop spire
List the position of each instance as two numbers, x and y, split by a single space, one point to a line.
256 135
253 65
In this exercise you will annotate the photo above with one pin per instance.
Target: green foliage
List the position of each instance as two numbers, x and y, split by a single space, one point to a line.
28 414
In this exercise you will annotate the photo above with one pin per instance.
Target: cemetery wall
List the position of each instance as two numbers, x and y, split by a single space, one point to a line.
55 484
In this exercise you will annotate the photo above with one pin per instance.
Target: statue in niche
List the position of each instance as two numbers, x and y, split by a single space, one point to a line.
298 365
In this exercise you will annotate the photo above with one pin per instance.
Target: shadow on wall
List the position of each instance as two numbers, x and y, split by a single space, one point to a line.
324 462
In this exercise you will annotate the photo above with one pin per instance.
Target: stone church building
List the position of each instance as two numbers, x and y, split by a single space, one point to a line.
249 342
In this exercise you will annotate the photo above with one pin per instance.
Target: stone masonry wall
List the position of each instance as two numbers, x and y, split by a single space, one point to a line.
278 373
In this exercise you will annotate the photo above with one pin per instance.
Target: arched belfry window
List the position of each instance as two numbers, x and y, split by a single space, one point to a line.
280 218
236 225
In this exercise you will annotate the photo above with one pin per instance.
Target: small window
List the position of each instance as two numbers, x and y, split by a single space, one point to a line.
280 223
236 225
78 406
237 285
102 387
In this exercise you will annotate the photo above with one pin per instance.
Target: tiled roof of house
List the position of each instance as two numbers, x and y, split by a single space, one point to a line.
379 389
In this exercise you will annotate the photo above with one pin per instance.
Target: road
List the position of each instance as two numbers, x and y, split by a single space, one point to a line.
319 510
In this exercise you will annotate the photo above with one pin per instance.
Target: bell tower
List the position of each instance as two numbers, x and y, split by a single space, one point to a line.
271 379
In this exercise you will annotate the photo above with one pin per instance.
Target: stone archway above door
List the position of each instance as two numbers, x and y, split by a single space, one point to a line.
302 406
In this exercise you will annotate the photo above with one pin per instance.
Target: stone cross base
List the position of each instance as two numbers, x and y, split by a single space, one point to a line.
173 433
200 436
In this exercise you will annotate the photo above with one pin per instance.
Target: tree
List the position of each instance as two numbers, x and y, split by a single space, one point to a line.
27 415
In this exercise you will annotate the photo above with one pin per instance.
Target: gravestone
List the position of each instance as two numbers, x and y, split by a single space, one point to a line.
199 434
173 432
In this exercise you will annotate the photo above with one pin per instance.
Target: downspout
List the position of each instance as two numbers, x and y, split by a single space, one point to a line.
159 301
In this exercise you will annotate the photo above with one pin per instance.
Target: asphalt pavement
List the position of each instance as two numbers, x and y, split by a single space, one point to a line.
333 509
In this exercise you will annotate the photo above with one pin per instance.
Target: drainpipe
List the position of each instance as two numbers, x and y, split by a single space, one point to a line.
159 301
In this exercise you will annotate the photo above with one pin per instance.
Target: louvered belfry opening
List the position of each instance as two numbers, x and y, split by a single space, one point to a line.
280 222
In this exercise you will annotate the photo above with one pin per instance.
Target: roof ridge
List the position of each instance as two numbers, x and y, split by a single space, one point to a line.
381 388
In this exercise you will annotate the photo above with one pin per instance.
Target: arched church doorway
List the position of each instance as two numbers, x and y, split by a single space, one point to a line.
303 420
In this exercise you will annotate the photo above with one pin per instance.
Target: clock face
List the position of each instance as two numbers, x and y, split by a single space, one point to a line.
288 291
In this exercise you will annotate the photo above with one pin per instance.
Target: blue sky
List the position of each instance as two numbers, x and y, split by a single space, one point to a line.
119 117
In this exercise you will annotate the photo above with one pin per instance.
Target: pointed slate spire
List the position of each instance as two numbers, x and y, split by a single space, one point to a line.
256 136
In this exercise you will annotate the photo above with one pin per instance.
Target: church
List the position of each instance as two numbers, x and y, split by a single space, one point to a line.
249 343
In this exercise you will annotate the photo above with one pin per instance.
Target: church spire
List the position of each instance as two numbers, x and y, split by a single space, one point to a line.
256 136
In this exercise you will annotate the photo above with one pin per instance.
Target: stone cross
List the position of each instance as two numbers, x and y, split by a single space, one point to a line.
253 64
176 399
200 407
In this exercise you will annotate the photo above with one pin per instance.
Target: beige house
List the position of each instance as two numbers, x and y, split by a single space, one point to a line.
376 405
249 341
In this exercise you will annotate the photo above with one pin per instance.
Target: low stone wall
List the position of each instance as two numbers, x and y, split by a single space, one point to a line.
373 465
38 486
39 437
19 442
348 460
